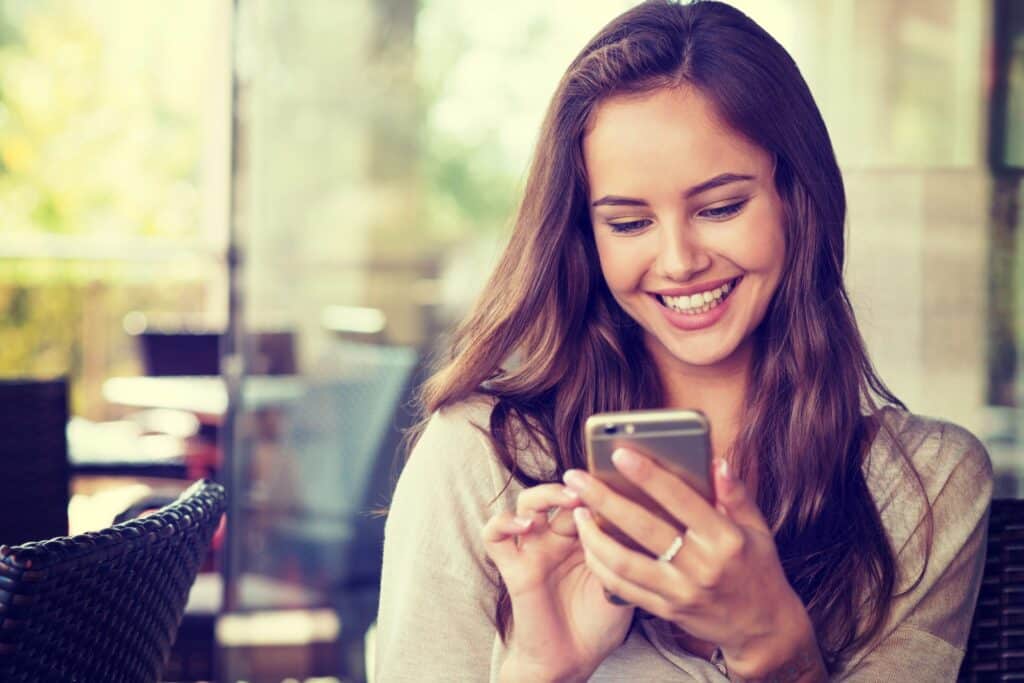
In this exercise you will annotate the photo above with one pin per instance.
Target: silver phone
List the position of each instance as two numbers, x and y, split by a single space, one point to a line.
678 440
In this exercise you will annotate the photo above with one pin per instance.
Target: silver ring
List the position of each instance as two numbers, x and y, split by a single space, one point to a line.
673 549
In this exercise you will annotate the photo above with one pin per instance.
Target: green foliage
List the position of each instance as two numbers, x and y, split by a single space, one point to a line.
96 136
100 116
39 330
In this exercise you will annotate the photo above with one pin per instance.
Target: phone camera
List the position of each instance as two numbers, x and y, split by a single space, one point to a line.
611 429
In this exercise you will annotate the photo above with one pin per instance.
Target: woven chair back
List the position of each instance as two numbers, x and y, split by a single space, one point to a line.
104 607
995 648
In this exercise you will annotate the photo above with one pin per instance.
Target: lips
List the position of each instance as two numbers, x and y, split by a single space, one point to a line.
690 290
701 300
690 320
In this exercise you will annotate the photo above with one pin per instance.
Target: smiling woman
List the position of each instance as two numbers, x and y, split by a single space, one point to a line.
679 245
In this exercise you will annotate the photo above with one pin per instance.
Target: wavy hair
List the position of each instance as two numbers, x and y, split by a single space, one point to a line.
548 342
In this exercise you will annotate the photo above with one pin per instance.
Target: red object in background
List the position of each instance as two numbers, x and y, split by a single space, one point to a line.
216 543
202 460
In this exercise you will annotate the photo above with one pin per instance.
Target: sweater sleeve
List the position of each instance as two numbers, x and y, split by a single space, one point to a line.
438 590
927 630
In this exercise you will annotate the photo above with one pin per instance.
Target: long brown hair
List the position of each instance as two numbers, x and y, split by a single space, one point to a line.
548 342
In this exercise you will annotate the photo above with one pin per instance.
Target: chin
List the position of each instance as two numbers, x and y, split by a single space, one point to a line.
706 358
699 354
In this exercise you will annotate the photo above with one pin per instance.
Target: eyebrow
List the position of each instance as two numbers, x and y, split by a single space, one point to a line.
717 181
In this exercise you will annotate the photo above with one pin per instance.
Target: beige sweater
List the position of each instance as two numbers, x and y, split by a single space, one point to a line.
438 593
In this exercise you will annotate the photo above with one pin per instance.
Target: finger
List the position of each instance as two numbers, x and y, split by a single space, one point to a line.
648 529
536 503
636 521
561 522
677 497
619 591
499 535
732 496
664 579
622 588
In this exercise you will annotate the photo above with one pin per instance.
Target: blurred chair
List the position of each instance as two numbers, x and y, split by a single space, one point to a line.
338 456
104 607
272 353
33 459
176 354
995 648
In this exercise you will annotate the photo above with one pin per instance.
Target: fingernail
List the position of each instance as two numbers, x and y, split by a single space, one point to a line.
724 470
523 522
581 514
576 480
624 458
570 494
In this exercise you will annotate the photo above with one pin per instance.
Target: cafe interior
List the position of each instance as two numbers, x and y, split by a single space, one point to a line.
235 234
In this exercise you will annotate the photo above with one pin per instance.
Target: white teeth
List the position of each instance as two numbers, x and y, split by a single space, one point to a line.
698 303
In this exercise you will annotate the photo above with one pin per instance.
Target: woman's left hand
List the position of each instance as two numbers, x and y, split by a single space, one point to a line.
724 585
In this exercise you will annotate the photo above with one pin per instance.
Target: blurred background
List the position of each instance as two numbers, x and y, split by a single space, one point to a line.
231 232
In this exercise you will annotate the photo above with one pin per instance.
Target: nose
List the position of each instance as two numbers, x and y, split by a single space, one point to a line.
680 254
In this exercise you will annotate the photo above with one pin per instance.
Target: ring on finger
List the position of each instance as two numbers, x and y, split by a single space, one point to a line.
673 550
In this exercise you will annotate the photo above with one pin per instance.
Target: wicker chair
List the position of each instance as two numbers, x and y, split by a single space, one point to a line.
34 456
104 607
995 649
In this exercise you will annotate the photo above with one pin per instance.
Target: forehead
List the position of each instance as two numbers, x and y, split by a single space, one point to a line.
672 137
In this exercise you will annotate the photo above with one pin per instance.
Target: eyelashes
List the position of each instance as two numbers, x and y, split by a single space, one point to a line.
718 213
723 212
629 226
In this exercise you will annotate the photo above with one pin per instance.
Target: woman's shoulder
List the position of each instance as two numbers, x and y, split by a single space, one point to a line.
450 473
446 491
472 414
936 448
454 437
914 452
458 437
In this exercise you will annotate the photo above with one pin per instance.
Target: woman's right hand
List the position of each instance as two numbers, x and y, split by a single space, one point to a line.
563 626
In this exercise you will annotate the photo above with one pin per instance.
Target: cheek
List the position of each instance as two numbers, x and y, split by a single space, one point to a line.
621 262
764 255
772 251
760 247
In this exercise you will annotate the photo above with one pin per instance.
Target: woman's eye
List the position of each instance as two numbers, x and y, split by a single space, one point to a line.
719 213
629 226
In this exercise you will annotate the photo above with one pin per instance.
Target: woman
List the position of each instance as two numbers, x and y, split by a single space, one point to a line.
679 244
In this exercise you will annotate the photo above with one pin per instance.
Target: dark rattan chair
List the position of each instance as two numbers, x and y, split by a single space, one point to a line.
104 607
33 459
995 649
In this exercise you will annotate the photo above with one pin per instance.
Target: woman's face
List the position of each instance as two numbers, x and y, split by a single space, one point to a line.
687 221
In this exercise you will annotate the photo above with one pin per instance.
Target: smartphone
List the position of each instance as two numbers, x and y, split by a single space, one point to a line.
678 440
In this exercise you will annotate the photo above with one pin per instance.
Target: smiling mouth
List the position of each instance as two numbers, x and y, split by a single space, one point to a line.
701 302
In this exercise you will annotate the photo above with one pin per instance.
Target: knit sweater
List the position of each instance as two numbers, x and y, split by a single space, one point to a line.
438 592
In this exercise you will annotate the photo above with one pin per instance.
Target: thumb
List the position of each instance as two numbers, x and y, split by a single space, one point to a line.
731 498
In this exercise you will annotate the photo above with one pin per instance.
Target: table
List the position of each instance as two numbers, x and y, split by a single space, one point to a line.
204 396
